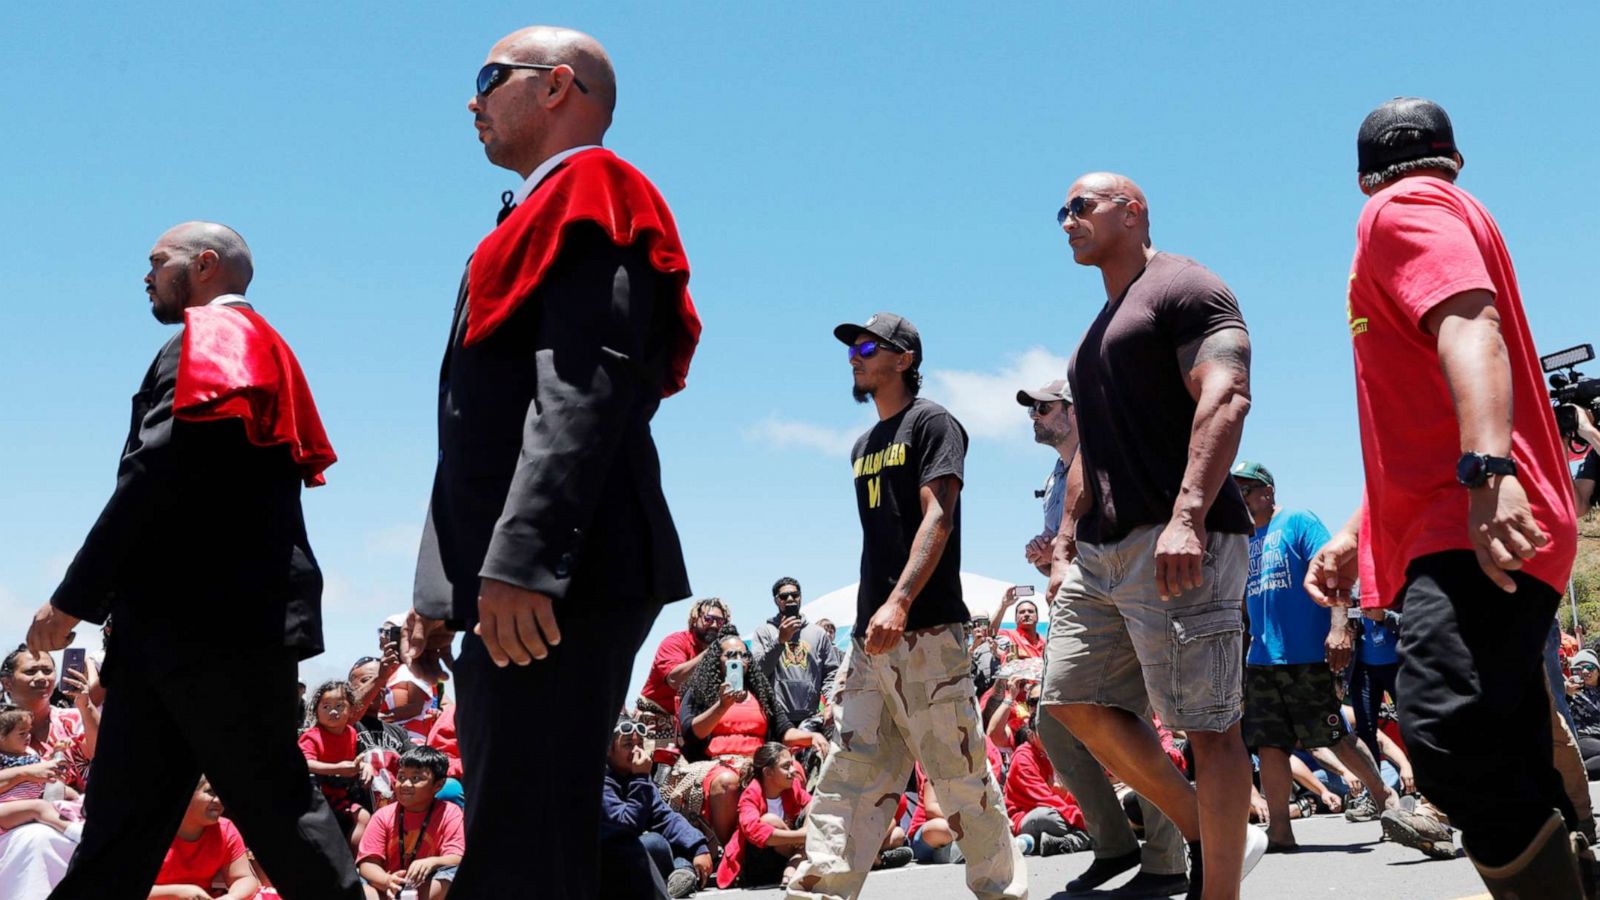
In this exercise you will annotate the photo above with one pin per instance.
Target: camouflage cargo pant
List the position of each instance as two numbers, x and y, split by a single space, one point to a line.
912 704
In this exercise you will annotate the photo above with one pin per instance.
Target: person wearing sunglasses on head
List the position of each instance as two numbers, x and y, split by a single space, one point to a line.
548 540
676 857
907 693
1153 559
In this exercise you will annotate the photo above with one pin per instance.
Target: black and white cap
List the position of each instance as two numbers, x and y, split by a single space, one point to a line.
888 327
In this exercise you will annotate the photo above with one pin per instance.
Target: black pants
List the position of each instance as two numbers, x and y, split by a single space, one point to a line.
1474 702
1368 684
233 720
533 744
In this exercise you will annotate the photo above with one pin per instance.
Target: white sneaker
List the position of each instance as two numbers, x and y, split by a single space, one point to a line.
1255 847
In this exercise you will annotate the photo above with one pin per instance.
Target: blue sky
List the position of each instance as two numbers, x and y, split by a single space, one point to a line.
824 161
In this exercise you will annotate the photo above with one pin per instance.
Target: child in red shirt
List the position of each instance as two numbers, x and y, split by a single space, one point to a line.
771 839
207 850
417 841
332 758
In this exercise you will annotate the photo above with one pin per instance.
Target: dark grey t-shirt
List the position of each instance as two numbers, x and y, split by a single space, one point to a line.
1134 409
891 464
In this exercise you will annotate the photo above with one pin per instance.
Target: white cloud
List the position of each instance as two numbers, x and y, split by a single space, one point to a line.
777 432
396 540
986 402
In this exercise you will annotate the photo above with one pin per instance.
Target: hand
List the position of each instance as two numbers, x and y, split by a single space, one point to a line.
1353 783
425 646
1007 598
789 628
1337 647
702 867
517 625
1037 553
819 743
639 762
364 770
185 892
1180 558
1502 530
389 662
1333 570
421 870
51 630
1258 808
886 627
730 697
42 772
75 684
1586 428
1331 801
1018 689
1408 783
1063 550
1574 685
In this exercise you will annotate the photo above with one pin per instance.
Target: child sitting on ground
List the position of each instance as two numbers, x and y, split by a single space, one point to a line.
23 801
417 841
330 750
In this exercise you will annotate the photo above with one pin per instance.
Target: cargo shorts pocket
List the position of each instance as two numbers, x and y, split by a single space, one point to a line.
1206 670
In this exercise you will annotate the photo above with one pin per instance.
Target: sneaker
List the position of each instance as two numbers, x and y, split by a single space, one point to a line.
1419 832
1051 844
682 883
1103 870
1024 843
1362 808
1149 886
894 858
1255 847
1197 872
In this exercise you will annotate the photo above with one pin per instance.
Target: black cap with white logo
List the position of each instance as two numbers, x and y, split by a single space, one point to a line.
888 327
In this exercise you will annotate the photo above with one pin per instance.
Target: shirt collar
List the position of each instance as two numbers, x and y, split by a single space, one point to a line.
227 298
543 169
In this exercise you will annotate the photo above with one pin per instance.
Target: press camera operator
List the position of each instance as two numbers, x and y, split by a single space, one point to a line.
1583 482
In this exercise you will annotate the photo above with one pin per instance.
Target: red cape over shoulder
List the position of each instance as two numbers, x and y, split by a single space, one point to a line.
235 366
591 186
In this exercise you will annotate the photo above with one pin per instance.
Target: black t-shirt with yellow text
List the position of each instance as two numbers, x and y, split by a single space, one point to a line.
891 463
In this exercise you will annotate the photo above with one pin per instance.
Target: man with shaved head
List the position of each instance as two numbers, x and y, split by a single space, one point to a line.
548 539
1150 564
202 555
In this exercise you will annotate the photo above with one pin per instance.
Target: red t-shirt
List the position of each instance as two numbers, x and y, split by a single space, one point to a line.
1026 647
741 731
321 746
675 650
1419 242
198 863
443 739
446 835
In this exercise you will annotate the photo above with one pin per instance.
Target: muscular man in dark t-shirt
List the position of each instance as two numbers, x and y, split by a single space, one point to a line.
907 695
1159 533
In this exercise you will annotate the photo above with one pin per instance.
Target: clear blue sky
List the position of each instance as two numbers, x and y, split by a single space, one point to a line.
825 161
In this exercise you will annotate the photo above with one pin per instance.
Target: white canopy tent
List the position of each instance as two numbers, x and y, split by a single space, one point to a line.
982 595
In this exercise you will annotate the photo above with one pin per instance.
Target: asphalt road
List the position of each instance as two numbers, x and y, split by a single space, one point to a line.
1338 859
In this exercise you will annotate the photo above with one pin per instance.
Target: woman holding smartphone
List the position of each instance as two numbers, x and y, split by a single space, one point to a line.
727 712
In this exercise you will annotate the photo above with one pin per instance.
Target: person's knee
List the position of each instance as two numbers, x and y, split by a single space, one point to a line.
774 821
726 782
1221 742
936 833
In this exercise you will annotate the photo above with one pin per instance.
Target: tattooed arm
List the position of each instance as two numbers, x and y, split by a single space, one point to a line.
939 498
1216 370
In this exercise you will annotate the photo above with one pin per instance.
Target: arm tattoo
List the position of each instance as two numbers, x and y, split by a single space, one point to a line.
1229 348
930 540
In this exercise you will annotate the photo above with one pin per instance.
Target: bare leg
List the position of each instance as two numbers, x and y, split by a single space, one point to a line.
1277 786
20 812
1358 759
936 833
1128 746
1223 789
722 801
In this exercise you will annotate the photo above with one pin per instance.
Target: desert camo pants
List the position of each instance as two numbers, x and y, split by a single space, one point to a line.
911 704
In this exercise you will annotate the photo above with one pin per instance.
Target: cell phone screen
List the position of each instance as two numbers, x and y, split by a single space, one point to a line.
1023 590
74 660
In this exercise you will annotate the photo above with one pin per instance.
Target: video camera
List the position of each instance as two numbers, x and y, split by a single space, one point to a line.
1571 388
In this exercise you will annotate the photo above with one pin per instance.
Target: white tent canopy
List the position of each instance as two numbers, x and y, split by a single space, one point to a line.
981 593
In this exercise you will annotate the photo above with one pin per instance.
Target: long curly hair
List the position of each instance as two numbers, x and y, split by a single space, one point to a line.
704 686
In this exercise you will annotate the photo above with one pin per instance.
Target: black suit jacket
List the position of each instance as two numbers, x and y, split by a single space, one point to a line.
202 548
548 476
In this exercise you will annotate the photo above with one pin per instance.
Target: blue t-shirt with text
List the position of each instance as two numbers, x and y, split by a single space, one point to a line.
1287 627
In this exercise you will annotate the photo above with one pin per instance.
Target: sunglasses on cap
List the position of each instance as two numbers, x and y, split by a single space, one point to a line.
869 349
1081 206
495 74
629 728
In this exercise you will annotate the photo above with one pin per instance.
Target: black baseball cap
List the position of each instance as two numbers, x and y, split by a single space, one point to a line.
1401 130
884 326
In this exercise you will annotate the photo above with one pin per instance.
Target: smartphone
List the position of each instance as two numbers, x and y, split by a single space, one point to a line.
75 659
791 610
1022 590
390 634
980 621
733 673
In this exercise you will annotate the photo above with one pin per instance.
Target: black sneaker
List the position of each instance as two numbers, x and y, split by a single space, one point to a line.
1103 870
1197 872
1149 886
682 883
1052 845
894 858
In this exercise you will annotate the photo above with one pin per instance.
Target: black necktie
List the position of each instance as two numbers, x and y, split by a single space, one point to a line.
506 206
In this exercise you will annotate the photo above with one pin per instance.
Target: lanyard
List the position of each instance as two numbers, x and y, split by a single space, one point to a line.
400 829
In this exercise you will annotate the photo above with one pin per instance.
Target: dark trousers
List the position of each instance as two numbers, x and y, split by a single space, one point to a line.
533 744
234 720
1474 702
1367 687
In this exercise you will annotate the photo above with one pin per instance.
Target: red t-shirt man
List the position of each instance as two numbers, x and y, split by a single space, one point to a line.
1419 242
445 835
675 650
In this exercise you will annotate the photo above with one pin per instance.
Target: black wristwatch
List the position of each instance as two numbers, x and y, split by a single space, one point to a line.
1473 470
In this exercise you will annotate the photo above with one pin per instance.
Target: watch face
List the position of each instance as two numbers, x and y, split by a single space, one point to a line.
1469 470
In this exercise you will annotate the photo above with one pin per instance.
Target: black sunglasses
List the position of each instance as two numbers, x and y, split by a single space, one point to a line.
1080 206
789 595
495 74
869 349
1041 408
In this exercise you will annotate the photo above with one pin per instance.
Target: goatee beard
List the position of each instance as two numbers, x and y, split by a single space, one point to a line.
862 395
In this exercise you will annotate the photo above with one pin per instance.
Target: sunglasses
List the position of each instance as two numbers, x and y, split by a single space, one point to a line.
869 349
1081 206
1041 408
789 595
630 728
1585 668
495 74
709 619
